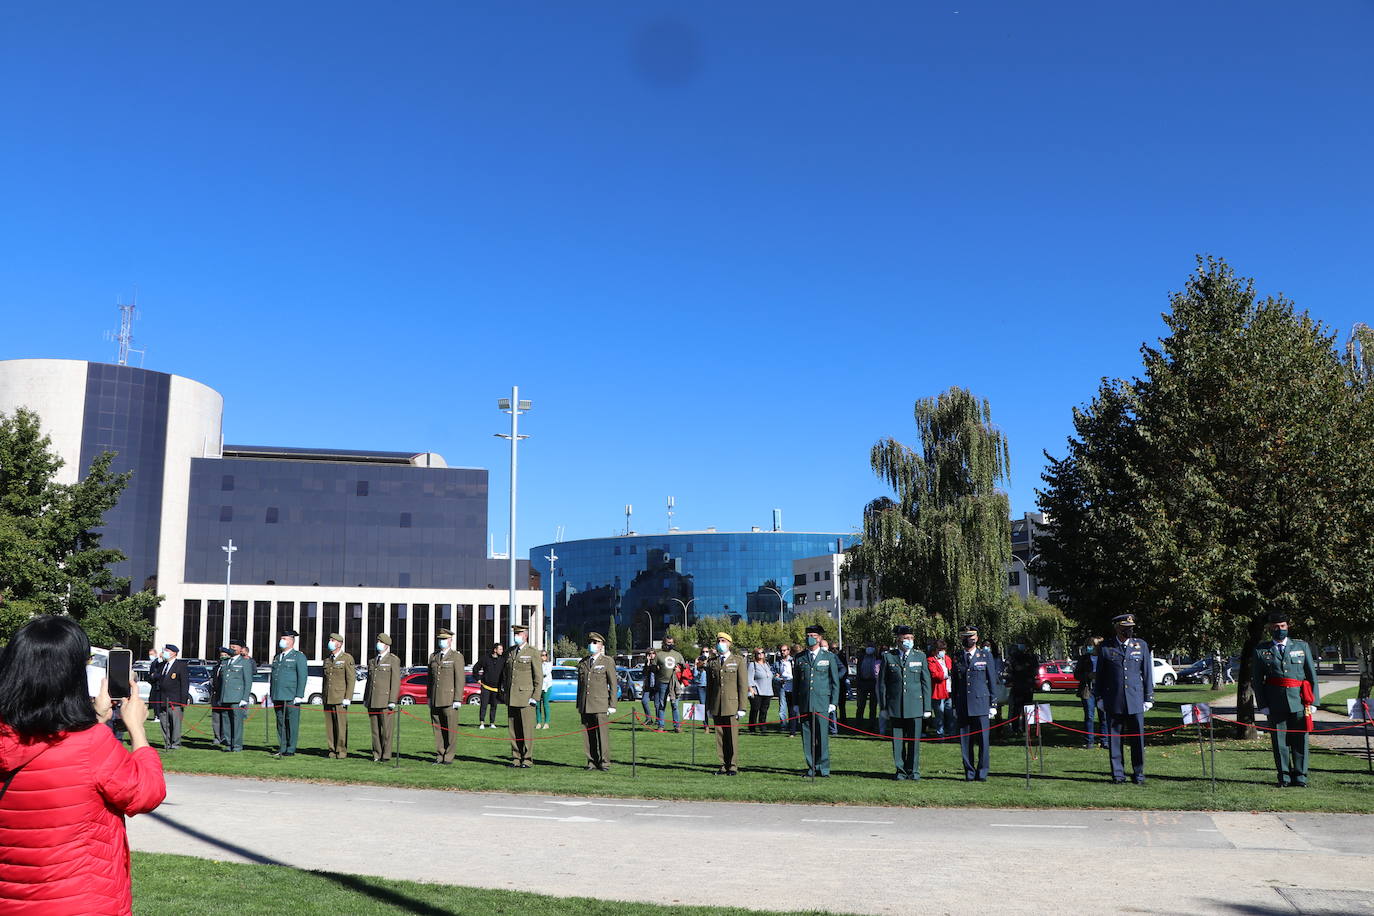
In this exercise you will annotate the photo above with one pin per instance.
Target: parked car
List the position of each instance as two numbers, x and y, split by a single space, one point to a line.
200 691
414 690
629 687
1165 673
1200 671
314 685
1056 675
564 688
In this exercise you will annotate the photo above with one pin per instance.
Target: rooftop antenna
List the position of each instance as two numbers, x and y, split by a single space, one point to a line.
125 335
628 509
558 535
671 502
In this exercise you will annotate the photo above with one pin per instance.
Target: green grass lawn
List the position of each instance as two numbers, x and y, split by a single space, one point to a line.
771 764
189 887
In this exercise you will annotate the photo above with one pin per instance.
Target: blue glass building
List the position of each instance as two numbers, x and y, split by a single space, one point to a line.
638 578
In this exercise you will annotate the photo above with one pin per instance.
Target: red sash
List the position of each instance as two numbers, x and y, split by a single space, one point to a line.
1304 688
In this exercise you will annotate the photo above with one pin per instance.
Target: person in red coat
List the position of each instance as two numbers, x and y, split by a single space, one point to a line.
941 674
66 785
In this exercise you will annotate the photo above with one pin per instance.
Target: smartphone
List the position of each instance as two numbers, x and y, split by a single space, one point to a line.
120 673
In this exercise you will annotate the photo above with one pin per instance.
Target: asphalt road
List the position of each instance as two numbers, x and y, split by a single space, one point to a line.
844 859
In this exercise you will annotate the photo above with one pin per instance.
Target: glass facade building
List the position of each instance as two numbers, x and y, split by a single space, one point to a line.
639 578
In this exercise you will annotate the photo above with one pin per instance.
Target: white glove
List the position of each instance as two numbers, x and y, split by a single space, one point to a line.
1149 705
298 700
992 712
391 706
533 702
456 704
610 710
740 714
832 708
243 703
926 715
345 703
1309 710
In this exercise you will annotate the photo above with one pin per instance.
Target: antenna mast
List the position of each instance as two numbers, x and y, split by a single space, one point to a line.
125 335
671 502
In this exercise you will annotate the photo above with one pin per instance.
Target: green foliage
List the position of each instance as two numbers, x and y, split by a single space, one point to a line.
612 635
748 635
1234 478
566 648
944 541
51 560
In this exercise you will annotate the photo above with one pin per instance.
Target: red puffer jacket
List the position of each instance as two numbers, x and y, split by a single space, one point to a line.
63 849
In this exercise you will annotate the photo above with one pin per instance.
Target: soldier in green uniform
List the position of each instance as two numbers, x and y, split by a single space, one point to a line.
340 677
816 678
727 700
522 682
446 679
220 713
287 689
236 684
1285 682
596 695
383 686
904 696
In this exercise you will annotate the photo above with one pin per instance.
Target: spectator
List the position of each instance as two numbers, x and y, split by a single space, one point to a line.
760 692
488 673
941 670
1022 674
169 695
67 785
782 688
867 682
701 687
1084 670
541 712
670 663
648 689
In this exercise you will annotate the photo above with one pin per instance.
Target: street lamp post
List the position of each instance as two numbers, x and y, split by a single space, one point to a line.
515 407
228 579
782 605
689 603
650 615
552 558
1025 565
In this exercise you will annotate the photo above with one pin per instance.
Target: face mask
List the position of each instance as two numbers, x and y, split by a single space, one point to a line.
594 648
970 642
722 647
443 644
519 639
381 648
281 643
1126 632
869 651
224 658
907 644
811 640
940 653
166 654
1279 634
333 646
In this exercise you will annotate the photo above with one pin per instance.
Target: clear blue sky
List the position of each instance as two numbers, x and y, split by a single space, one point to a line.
723 247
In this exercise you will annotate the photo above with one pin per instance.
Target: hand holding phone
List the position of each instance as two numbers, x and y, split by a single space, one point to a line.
120 673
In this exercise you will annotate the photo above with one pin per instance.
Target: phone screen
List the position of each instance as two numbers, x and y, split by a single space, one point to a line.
120 673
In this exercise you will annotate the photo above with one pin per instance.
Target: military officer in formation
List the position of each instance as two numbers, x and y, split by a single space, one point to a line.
446 679
817 676
383 686
340 676
1125 689
974 691
596 696
727 700
219 712
521 682
287 689
904 697
1285 683
236 686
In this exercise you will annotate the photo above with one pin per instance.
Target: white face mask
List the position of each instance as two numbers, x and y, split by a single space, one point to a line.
907 644
333 646
722 647
443 645
381 648
166 654
282 643
941 653
519 639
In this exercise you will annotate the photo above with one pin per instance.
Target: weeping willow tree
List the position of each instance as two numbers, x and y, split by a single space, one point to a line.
943 540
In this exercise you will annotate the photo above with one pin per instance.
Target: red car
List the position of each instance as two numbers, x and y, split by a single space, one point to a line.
1056 676
415 690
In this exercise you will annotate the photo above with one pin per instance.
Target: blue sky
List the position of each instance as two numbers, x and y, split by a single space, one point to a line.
722 247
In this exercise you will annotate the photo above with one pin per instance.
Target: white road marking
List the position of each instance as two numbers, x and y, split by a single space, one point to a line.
512 808
573 819
1207 830
653 814
825 820
583 804
394 801
1046 826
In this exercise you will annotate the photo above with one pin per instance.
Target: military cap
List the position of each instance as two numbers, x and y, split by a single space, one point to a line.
384 639
290 632
238 641
225 650
172 648
1278 616
969 630
902 630
817 629
336 637
726 637
445 633
1126 620
519 628
596 637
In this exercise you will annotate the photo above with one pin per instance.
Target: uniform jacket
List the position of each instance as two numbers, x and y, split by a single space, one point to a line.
446 678
669 662
383 681
289 672
217 682
940 679
170 684
340 678
1125 679
903 684
62 822
1294 661
596 684
522 676
816 681
727 685
236 680
975 682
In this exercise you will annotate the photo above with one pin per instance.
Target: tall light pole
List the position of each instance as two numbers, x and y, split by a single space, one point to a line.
1025 565
552 558
515 407
228 579
782 605
689 603
651 627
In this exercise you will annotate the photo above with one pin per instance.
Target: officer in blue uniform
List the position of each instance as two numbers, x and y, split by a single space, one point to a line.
975 701
903 684
1125 691
816 678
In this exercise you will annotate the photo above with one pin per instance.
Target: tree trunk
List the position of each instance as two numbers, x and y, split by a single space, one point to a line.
1364 648
1216 670
1245 695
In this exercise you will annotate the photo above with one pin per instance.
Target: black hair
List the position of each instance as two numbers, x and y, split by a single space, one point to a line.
43 689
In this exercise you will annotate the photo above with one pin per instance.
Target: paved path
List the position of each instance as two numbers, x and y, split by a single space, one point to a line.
850 859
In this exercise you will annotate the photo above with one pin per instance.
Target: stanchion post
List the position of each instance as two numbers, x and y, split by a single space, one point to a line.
1368 759
395 738
1028 757
1212 743
264 723
1040 743
694 744
634 751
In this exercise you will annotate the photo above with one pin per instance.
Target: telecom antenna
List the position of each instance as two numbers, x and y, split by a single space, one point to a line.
671 503
125 335
628 509
558 535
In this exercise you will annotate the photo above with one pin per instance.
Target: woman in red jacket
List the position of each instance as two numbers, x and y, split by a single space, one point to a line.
67 782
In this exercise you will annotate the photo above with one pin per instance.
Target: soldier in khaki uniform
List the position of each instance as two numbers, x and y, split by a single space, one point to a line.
727 696
340 677
522 682
596 694
383 686
446 679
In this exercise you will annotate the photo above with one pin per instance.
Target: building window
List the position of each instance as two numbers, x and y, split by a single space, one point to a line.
617 550
405 519
690 548
827 594
262 629
271 517
1014 578
226 483
190 627
845 593
816 576
798 579
362 488
827 575
226 513
801 598
634 549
